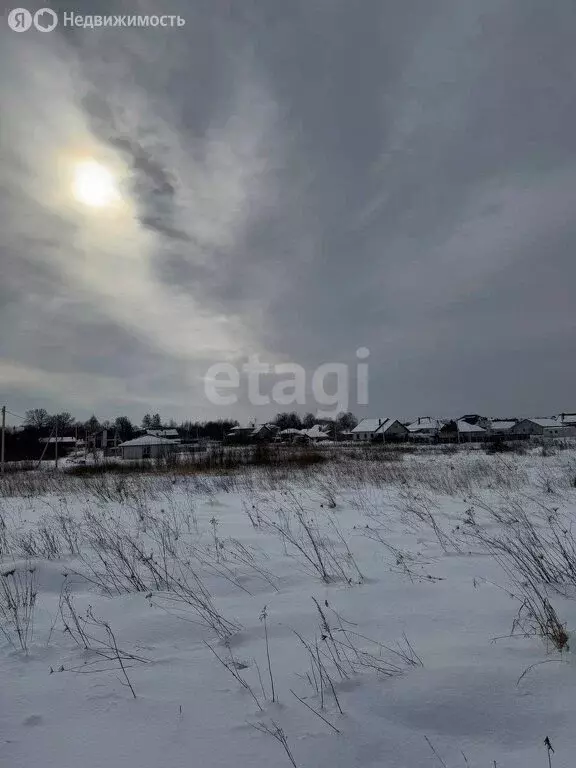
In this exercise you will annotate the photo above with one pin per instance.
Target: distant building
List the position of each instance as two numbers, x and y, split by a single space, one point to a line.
253 434
68 441
264 432
425 427
568 419
475 420
500 428
147 447
462 432
289 435
240 433
379 429
65 445
543 428
168 434
315 433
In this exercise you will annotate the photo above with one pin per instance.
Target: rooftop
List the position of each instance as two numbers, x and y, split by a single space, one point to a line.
546 422
315 432
62 440
372 425
147 440
424 422
463 426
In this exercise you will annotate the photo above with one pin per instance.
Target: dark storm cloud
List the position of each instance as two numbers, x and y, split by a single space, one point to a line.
325 175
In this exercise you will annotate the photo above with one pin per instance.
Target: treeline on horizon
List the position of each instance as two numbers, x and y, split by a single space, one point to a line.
22 443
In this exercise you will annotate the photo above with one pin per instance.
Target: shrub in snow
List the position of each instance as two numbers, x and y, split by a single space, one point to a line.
18 592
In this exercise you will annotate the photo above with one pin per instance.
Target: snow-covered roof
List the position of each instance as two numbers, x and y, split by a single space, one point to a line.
463 426
425 422
369 425
63 440
374 425
290 431
163 432
315 432
545 422
147 440
386 423
317 428
259 427
502 425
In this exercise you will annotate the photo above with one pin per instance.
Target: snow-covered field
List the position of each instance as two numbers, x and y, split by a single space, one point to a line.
351 614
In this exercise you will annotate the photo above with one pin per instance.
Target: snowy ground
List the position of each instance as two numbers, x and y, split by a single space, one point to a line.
417 643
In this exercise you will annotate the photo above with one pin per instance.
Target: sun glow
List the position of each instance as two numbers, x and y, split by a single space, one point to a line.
94 185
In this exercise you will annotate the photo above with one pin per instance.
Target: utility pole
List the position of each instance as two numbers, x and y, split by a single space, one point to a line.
2 439
46 446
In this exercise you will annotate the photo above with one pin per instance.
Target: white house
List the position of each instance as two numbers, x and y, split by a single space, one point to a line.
379 429
543 427
146 447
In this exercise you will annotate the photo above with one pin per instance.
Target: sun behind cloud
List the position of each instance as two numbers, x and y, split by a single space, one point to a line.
94 184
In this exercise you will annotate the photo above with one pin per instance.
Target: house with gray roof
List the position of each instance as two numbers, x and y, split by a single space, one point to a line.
386 429
147 447
543 428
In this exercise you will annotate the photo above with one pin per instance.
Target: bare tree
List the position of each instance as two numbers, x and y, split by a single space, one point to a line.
39 418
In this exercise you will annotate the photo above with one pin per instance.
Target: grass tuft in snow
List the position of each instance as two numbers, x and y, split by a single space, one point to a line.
18 593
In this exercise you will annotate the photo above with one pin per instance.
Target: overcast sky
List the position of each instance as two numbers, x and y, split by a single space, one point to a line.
299 179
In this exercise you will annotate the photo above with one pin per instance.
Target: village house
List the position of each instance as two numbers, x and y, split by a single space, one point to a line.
168 434
252 434
543 428
147 447
264 432
315 433
501 428
379 430
568 419
65 445
475 420
424 428
289 435
240 434
462 432
69 442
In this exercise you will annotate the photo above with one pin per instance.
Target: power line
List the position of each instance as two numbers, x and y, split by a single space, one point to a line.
23 418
